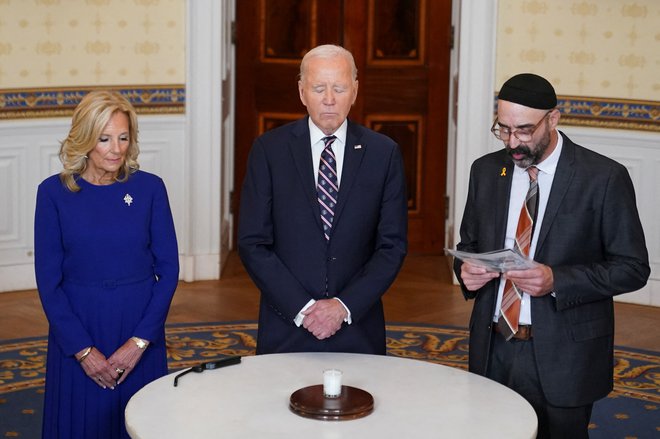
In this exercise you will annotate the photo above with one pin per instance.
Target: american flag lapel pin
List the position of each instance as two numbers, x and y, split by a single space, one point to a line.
357 147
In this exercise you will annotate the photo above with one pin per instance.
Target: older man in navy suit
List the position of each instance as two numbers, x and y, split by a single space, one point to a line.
323 223
547 332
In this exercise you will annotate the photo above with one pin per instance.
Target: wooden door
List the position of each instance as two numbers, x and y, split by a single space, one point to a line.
401 48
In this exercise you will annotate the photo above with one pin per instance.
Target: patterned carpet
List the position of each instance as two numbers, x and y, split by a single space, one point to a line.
630 411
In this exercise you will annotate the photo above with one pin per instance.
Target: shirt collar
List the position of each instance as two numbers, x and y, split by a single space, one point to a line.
315 133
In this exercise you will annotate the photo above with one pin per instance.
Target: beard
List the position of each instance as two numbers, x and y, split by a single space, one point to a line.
531 155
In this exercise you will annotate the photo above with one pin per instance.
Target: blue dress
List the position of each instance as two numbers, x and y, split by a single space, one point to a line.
106 264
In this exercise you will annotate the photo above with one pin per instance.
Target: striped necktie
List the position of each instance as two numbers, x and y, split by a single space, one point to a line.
510 309
327 188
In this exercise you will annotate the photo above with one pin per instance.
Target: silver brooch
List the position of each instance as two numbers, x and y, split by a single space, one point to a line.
128 199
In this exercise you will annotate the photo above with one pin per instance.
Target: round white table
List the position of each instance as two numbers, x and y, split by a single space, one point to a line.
251 400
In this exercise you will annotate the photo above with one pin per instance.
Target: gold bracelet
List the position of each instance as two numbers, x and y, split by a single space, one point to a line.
142 344
85 354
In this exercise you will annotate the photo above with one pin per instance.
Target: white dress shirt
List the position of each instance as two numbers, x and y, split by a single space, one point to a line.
317 145
316 138
519 187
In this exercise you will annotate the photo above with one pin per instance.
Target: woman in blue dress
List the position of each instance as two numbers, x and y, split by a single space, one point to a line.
106 263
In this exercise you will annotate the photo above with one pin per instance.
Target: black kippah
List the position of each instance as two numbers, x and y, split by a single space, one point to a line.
529 90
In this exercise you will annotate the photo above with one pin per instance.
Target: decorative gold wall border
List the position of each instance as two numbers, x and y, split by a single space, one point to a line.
608 113
60 102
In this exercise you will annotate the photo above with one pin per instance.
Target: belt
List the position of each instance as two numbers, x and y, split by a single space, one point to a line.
110 283
524 331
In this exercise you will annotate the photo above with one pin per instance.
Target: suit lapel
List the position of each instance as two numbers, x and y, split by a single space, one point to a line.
301 151
504 180
560 184
353 153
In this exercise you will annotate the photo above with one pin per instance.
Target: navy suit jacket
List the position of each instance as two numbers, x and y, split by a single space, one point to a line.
592 238
282 246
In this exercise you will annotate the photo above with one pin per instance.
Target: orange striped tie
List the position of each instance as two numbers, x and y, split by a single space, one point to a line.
510 309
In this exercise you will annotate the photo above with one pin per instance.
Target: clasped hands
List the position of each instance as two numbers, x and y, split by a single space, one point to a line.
112 371
537 281
324 318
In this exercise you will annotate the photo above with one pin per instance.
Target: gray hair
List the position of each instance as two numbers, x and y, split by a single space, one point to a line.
327 51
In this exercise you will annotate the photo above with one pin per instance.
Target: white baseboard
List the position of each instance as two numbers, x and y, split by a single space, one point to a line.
17 277
200 267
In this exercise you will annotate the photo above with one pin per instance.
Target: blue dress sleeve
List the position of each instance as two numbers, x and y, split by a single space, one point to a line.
65 326
166 266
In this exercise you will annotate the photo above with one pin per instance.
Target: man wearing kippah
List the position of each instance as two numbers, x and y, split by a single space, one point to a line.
547 331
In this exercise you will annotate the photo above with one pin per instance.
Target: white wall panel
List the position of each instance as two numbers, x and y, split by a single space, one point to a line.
9 196
162 148
30 145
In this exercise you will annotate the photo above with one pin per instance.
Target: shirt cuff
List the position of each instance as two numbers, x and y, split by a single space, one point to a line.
348 311
298 320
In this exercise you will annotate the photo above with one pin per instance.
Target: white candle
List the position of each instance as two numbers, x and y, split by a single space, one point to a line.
332 383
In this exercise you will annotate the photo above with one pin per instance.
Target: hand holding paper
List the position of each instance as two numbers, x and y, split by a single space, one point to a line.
474 277
498 260
529 276
537 281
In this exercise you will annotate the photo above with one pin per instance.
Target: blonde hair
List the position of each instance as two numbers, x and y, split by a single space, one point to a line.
327 51
89 119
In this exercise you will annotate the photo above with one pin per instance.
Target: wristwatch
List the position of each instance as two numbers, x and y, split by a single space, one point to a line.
140 343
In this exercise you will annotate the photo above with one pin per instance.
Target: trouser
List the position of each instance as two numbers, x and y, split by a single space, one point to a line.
513 364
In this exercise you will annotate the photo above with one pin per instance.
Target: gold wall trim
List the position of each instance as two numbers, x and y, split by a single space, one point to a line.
60 102
608 113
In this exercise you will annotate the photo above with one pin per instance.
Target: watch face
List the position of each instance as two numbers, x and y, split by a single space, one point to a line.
139 342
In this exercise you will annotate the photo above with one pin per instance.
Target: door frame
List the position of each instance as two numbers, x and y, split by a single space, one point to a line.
472 76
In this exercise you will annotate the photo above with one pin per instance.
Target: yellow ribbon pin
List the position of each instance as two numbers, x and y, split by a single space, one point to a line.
503 174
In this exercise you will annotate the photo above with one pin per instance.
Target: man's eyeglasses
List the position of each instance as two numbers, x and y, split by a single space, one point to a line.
208 366
522 134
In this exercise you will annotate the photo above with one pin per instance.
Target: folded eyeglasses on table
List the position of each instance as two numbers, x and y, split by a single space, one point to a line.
208 366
